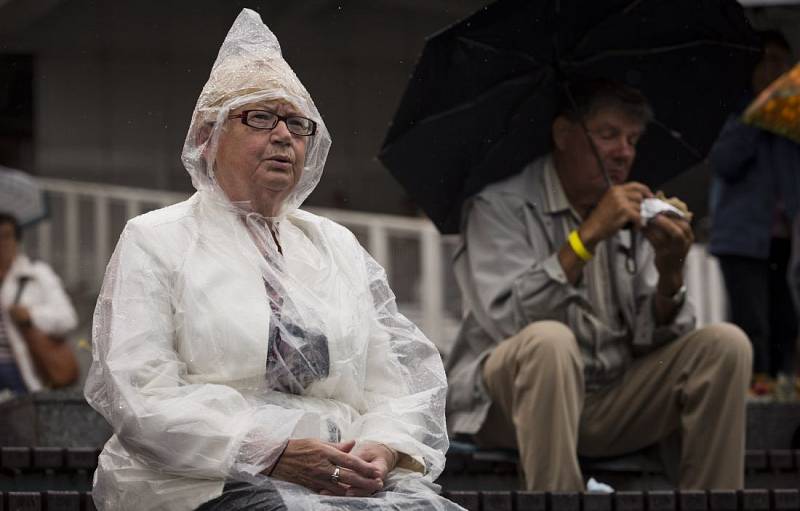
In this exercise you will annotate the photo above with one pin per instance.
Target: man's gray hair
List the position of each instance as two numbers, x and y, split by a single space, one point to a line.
590 95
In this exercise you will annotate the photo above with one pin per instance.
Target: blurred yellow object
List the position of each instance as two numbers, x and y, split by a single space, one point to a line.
777 108
84 345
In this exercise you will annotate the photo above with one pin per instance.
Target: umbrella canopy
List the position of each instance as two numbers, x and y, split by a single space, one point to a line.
482 98
21 196
777 108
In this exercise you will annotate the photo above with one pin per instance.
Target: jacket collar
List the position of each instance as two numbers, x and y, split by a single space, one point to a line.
555 200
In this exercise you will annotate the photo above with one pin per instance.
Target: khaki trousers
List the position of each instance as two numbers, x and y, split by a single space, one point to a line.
696 385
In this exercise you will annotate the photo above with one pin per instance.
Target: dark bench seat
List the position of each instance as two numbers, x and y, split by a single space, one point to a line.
46 501
47 468
468 468
746 500
714 500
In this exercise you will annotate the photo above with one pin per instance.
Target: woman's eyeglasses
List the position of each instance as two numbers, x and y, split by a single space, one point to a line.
266 120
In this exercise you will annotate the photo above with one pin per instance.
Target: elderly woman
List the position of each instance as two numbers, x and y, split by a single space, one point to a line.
248 354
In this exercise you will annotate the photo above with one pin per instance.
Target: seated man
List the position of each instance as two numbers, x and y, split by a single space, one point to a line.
567 349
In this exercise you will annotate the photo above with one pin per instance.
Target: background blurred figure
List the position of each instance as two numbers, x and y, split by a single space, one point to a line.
34 315
794 285
754 199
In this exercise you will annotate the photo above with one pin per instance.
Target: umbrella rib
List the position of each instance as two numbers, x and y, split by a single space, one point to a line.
633 5
478 44
657 50
676 135
463 107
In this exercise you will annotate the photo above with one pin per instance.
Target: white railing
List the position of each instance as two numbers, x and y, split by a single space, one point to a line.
86 246
86 219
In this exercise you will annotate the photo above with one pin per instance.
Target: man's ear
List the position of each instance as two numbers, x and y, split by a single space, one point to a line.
560 131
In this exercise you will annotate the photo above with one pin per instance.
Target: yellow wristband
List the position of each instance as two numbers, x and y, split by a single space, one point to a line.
578 247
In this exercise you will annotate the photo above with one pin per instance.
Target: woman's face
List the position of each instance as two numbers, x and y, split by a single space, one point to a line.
259 165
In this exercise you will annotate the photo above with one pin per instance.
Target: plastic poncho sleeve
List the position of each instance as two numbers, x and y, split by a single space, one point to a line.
139 383
405 385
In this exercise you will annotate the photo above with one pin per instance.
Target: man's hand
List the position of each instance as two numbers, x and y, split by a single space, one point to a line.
311 463
671 238
379 456
619 206
21 315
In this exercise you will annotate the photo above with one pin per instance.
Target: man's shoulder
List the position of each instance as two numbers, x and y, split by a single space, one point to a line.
519 186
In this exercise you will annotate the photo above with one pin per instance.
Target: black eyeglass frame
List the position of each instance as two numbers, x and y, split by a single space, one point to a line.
278 118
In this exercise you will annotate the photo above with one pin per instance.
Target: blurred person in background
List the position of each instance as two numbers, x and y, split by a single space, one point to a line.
35 315
249 354
754 199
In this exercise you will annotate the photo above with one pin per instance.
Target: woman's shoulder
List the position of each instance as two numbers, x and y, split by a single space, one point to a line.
159 218
167 220
323 225
169 227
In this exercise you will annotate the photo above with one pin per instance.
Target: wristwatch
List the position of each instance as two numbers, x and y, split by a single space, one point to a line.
678 297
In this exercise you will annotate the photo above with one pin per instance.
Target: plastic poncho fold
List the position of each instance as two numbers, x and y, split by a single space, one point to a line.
220 334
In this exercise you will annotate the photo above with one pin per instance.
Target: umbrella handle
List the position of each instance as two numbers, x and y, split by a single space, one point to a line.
581 121
630 255
574 104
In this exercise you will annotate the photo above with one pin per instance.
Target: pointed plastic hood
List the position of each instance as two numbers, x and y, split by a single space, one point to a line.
250 68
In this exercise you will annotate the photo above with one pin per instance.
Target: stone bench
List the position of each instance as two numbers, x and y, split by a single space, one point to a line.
773 425
46 501
468 467
71 468
773 440
712 500
47 468
59 418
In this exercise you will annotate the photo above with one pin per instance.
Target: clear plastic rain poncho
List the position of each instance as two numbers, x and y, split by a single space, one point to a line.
219 334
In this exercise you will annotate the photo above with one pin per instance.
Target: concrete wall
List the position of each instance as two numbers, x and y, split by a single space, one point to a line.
116 80
115 83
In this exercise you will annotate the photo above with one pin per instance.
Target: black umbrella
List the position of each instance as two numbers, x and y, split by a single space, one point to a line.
484 93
